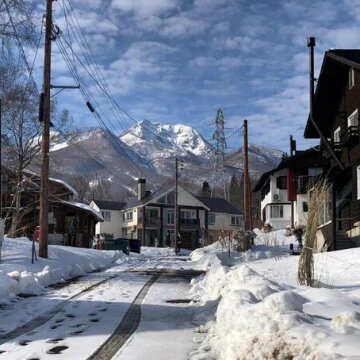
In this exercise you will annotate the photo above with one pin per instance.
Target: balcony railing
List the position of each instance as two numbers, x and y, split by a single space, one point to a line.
149 221
304 183
350 136
189 221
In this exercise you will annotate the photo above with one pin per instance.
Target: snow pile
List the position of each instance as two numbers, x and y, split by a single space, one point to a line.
246 315
217 253
19 276
273 239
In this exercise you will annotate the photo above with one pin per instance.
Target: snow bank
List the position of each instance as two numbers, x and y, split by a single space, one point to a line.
257 318
19 276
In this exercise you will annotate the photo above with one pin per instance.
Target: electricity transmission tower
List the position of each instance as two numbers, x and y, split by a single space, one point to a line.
219 136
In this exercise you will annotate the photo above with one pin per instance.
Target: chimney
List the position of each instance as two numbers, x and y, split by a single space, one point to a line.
292 146
141 188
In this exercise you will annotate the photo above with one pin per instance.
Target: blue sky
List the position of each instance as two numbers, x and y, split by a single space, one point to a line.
175 61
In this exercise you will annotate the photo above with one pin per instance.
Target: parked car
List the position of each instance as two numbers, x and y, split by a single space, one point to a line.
118 244
135 245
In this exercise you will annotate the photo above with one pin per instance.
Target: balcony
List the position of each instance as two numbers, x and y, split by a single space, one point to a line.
350 137
304 183
190 224
150 222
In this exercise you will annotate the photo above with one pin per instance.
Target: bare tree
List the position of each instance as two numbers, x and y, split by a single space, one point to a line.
17 19
81 185
318 202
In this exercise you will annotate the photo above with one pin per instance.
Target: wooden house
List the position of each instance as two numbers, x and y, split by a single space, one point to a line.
336 109
70 221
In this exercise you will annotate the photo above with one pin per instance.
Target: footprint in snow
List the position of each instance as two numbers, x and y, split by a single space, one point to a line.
57 349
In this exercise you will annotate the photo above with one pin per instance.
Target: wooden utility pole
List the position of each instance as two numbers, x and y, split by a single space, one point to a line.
176 206
247 216
44 184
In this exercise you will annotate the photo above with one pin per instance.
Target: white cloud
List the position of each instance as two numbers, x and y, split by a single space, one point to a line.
144 8
143 66
183 26
222 64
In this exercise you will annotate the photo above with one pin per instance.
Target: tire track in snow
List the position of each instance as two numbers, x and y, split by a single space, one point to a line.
43 318
127 326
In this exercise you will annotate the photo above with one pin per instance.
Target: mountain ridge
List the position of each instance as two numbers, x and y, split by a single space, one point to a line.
148 150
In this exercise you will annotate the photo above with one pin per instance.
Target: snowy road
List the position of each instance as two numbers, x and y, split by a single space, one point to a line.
74 321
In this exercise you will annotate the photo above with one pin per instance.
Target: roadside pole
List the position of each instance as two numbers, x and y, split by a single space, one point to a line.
1 235
2 221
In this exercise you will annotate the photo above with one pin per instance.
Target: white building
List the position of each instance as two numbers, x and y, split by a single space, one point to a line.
110 211
284 190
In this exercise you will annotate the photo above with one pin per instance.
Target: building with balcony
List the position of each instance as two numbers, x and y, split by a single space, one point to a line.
285 189
151 217
335 118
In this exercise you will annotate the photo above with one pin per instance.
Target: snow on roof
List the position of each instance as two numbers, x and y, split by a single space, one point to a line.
62 182
85 207
66 185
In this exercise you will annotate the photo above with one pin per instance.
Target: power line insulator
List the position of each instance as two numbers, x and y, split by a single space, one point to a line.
91 108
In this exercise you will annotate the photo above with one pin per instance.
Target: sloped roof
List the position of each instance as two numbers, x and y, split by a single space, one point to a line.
290 161
219 205
109 205
134 202
84 207
333 75
59 181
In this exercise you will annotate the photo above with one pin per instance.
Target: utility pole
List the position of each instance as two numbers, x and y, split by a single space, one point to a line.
1 188
44 183
247 215
176 205
177 227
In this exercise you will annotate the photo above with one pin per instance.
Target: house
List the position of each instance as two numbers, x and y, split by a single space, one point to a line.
150 217
222 219
70 221
335 116
284 189
110 211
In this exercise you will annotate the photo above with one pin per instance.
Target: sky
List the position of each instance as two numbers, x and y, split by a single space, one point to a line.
177 62
252 309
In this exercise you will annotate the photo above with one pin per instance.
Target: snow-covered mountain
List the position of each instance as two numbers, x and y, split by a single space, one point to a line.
166 140
149 150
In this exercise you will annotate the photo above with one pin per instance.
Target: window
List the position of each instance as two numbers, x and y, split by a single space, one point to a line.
281 182
358 181
106 215
336 137
170 217
351 78
211 219
234 220
129 215
305 207
167 199
276 211
353 119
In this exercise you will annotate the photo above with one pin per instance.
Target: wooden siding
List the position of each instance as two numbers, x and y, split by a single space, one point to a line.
349 153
